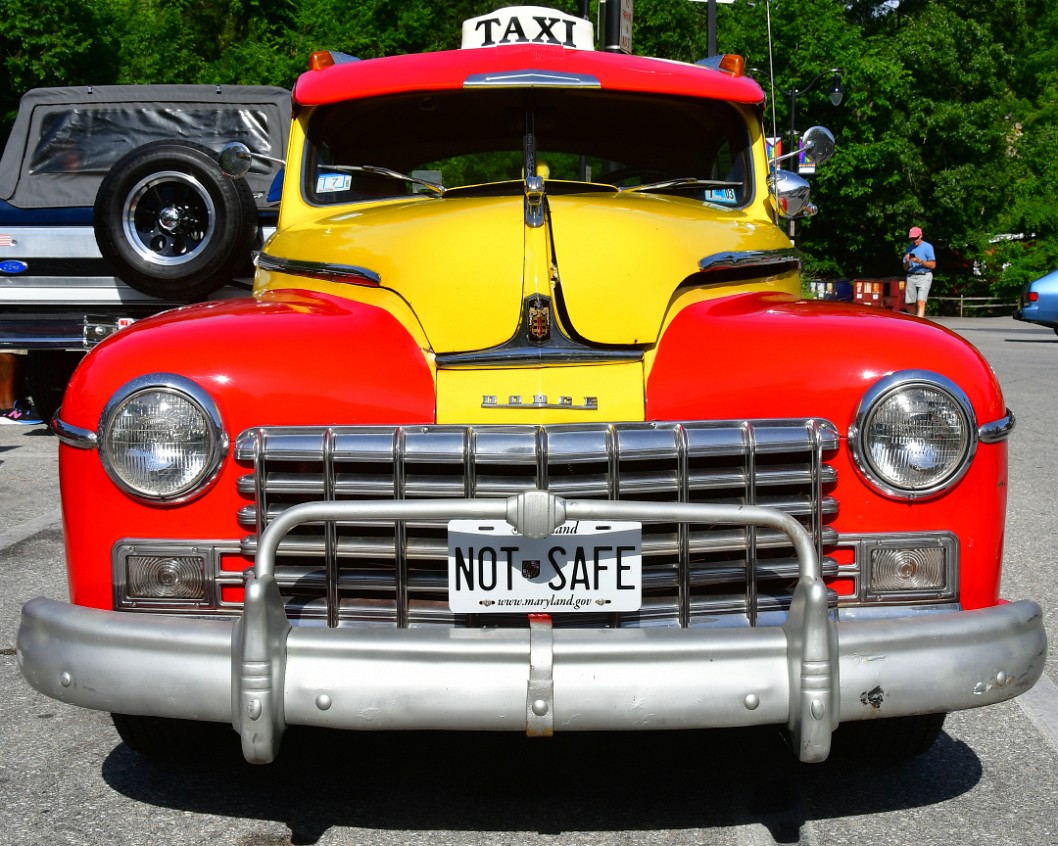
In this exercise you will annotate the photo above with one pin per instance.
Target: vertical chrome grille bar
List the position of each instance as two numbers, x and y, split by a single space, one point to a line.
260 453
613 485
816 439
400 533
542 452
751 531
470 467
683 530
613 463
470 484
330 534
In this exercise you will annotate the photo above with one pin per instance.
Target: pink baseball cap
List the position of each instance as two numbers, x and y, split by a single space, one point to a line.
915 232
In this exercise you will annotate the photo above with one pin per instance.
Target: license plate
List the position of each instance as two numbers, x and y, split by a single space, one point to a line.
584 566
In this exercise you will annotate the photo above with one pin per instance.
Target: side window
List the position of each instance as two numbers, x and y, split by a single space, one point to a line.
93 139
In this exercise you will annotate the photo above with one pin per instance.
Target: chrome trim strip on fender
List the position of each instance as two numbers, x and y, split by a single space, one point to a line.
998 430
347 273
73 436
776 260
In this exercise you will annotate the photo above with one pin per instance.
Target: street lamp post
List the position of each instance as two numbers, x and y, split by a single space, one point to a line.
711 23
836 95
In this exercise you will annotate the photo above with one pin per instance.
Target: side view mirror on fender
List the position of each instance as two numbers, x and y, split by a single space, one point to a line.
235 159
791 191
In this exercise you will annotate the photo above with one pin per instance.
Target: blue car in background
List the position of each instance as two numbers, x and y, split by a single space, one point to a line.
1039 302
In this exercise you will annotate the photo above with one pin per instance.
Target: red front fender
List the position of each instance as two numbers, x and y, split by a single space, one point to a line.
290 358
767 356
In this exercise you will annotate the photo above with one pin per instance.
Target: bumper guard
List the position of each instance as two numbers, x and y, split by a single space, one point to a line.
261 674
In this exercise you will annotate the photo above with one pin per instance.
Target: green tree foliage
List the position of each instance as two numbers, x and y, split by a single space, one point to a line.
949 115
46 44
949 119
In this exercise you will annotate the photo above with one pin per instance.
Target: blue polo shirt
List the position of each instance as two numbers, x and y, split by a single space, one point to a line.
923 251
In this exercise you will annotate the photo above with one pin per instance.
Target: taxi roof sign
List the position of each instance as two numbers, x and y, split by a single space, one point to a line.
528 25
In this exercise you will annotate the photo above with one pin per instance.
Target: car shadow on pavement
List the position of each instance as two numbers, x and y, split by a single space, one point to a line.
434 781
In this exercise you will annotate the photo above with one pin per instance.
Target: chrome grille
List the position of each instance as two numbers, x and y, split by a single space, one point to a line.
384 573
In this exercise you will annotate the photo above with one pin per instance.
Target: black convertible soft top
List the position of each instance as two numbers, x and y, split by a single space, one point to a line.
65 139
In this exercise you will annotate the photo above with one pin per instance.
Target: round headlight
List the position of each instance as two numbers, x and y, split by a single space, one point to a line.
914 435
161 438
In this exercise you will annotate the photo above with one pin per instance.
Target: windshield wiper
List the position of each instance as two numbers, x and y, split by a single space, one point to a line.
683 181
378 170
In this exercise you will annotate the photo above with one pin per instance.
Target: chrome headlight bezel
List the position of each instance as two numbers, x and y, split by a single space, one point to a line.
213 449
898 385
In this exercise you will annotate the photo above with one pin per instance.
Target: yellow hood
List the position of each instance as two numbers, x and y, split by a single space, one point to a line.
464 264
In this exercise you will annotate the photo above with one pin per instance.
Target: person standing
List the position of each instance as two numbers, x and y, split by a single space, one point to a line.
13 407
919 263
8 385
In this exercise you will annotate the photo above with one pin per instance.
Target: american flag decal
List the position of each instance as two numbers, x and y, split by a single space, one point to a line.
6 240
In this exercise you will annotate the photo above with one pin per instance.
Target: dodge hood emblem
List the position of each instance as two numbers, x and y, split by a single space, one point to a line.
538 318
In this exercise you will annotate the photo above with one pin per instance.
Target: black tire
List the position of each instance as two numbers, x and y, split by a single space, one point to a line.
161 737
892 739
172 224
46 375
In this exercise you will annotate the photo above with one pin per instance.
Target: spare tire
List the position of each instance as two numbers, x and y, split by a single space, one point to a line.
172 224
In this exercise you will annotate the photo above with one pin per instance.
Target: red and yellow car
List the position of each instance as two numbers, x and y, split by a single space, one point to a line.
526 427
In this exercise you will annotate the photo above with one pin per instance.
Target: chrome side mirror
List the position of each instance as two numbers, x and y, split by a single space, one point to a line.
235 159
791 193
817 144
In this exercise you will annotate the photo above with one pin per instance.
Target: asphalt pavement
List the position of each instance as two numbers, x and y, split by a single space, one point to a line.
992 778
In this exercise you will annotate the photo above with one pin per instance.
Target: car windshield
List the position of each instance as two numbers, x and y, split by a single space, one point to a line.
476 141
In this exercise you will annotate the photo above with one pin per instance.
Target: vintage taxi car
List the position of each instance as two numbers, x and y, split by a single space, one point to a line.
527 428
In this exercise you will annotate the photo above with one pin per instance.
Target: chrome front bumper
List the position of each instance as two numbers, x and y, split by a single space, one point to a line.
261 674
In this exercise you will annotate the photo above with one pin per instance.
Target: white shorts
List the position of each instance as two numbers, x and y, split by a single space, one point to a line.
917 287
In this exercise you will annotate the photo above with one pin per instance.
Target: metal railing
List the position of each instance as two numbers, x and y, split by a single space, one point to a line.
997 304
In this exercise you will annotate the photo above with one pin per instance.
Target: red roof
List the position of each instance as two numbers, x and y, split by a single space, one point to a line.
451 69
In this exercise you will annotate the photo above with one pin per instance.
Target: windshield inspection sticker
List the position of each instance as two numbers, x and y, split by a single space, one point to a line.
720 195
330 182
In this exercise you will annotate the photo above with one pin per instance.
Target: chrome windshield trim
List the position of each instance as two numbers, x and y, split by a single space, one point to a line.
73 436
998 430
529 78
786 259
319 270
